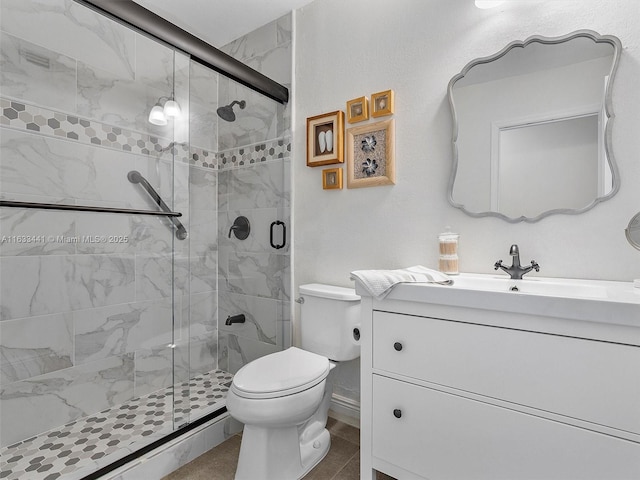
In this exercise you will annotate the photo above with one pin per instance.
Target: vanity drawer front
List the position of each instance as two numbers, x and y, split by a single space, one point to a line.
594 381
437 435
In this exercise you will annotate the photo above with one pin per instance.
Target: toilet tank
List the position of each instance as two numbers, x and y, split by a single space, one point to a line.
330 321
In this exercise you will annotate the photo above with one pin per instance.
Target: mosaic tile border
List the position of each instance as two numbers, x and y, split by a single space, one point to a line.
87 443
19 115
203 158
252 154
30 118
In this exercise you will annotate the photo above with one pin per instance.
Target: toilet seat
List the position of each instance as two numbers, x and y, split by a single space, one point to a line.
280 374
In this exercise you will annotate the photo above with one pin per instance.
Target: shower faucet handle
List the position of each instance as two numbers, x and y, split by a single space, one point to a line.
240 228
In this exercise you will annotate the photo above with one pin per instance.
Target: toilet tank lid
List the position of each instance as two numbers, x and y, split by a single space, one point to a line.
329 291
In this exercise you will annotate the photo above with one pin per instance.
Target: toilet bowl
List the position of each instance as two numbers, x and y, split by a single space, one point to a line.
280 439
283 398
281 389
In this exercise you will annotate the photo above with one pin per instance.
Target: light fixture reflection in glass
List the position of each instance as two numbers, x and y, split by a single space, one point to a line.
171 109
156 115
159 113
488 3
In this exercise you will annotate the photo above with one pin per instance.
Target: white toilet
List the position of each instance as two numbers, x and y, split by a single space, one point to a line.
283 398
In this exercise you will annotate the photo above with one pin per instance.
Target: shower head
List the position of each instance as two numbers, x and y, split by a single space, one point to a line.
226 113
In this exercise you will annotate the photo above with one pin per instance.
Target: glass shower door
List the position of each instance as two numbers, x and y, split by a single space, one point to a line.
91 301
112 321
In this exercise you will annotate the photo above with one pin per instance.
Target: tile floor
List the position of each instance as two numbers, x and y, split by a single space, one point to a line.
78 448
341 463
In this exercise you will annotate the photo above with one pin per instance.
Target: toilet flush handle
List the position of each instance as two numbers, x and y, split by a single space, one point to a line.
356 334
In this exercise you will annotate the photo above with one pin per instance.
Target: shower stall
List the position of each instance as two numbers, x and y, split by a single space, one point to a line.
119 187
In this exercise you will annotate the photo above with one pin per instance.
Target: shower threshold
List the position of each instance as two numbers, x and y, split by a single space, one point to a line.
90 443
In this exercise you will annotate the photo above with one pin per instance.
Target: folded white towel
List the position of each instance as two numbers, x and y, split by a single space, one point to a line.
380 282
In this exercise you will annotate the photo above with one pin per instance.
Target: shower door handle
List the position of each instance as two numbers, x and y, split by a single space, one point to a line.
284 235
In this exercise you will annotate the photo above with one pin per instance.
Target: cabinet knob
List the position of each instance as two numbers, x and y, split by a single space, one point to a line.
397 413
397 346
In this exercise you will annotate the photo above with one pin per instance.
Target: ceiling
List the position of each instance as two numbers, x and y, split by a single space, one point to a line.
218 22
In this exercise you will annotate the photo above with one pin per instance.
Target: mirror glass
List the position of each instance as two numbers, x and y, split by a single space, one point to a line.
532 128
633 231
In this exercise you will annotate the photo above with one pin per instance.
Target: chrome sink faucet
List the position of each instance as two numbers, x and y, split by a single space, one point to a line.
516 271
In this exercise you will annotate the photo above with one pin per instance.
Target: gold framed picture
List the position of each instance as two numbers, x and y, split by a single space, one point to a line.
325 139
382 104
358 110
371 155
332 179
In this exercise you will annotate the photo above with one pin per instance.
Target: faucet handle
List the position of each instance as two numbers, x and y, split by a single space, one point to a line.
497 265
535 265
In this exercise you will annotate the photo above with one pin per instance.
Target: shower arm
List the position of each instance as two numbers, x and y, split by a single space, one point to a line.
135 177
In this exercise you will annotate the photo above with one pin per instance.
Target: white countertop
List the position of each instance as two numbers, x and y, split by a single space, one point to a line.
590 300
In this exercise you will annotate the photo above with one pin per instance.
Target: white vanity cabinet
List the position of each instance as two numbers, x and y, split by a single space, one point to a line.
455 392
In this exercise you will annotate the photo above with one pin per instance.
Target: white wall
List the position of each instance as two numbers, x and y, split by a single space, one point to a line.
345 49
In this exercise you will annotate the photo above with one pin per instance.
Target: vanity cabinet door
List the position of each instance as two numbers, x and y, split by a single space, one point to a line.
440 436
594 381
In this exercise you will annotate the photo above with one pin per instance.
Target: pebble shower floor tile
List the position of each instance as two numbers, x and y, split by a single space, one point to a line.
85 445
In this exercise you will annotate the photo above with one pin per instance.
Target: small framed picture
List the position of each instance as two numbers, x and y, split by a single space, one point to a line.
371 155
325 139
382 103
358 110
332 179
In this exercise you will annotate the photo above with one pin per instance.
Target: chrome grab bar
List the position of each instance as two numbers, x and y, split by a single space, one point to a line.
135 177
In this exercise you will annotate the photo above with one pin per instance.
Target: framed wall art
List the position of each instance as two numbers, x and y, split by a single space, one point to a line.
371 155
358 110
332 179
325 140
382 103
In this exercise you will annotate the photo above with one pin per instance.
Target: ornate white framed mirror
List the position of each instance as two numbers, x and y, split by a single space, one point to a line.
532 128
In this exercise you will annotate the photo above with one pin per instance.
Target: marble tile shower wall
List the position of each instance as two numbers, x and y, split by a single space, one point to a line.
267 50
85 325
254 277
86 311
